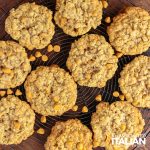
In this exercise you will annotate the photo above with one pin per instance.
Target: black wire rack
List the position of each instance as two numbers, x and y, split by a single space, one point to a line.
86 96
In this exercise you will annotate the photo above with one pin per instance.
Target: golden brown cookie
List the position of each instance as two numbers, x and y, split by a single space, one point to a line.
135 81
78 17
92 61
130 31
50 90
31 25
14 64
69 135
16 120
120 119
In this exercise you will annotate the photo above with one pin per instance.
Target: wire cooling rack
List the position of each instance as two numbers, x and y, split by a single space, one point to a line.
86 96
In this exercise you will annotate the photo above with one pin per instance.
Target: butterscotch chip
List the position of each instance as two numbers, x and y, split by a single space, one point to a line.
107 20
75 108
56 48
38 54
50 90
78 17
14 63
2 93
129 32
50 48
116 94
17 120
41 131
120 119
135 81
92 61
32 58
31 25
99 97
44 58
84 109
43 119
71 135
9 92
105 4
122 97
18 92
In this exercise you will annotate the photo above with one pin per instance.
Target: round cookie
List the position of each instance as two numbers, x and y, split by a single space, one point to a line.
135 81
69 135
129 32
50 90
78 17
14 64
16 120
92 61
120 119
31 25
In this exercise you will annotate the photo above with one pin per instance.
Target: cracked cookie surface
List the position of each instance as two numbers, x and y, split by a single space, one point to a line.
14 64
69 135
16 120
31 25
120 119
77 17
92 61
129 32
50 90
135 81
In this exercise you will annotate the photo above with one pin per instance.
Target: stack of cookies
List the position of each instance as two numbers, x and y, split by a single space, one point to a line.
92 62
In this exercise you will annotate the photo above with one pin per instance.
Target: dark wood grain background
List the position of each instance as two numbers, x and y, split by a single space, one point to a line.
85 95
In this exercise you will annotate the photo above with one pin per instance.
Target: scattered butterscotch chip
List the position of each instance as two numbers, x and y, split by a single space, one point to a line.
105 4
44 58
32 58
84 109
118 54
107 20
18 92
16 125
121 97
99 97
2 93
43 119
80 146
123 127
116 94
56 48
57 107
6 70
40 131
50 48
38 54
75 108
9 92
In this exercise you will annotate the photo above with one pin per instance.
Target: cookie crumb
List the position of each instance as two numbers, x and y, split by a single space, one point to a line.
121 97
56 48
107 20
116 94
119 55
75 108
50 48
9 92
105 4
84 109
32 58
2 93
98 97
43 119
38 54
44 58
18 92
6 70
40 131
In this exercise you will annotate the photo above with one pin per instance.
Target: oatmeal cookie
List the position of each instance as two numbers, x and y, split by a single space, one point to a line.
77 17
135 81
115 120
130 31
16 120
92 61
69 135
31 25
14 64
50 90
